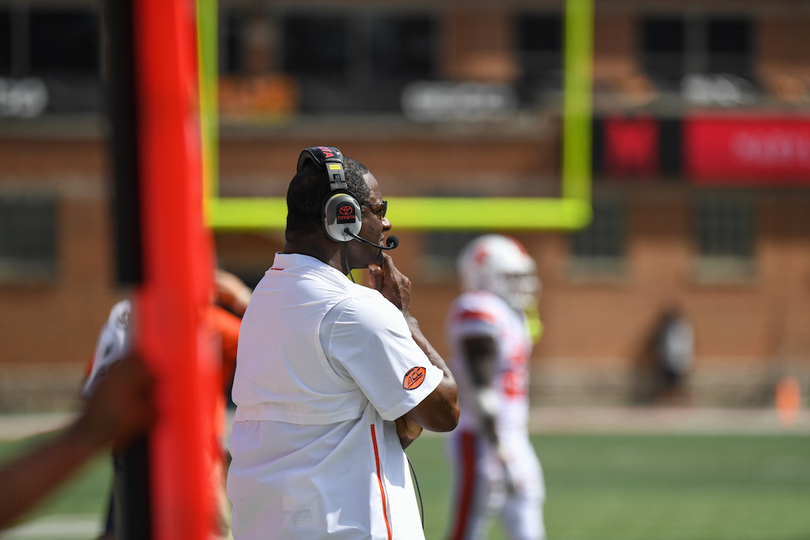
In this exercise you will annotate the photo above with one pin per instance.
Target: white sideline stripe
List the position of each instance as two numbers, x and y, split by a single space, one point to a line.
59 526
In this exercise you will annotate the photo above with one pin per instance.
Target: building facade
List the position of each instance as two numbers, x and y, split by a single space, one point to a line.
701 170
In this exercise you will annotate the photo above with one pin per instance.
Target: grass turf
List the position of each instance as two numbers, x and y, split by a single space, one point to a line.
623 487
667 487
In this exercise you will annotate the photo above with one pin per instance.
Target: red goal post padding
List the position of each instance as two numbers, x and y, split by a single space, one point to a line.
177 266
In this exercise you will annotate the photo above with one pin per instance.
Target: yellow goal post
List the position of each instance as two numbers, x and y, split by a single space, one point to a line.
569 212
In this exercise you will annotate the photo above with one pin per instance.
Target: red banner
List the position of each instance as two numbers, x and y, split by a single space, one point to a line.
631 147
746 151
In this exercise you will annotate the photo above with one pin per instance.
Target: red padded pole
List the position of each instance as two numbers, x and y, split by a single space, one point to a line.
177 269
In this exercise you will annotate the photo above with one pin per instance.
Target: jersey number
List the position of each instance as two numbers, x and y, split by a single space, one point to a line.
515 380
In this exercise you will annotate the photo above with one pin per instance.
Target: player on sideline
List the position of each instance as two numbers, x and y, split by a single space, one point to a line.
333 379
497 472
115 342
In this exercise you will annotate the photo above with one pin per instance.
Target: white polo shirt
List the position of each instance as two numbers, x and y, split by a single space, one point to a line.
324 367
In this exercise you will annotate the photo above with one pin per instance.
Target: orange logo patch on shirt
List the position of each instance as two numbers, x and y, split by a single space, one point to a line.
414 378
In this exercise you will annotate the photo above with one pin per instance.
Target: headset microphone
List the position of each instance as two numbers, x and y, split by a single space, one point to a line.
391 243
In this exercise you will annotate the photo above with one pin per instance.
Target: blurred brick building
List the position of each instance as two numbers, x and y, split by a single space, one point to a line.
701 172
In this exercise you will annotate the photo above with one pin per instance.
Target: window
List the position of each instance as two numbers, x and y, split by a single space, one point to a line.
672 47
599 249
64 42
730 46
316 46
441 250
663 46
27 238
724 228
402 48
231 50
50 57
357 62
5 43
539 43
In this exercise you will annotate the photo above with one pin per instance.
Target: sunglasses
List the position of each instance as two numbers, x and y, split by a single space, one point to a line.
379 209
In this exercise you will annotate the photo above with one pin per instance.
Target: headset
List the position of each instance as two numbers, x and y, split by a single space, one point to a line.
341 213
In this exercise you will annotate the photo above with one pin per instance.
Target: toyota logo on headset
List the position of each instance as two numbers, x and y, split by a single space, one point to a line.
345 213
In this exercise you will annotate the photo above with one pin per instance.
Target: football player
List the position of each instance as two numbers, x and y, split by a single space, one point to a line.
497 473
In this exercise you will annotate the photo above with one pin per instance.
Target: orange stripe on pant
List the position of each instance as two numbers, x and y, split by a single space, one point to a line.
379 478
465 501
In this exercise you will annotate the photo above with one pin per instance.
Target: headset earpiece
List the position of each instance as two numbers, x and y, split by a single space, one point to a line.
340 210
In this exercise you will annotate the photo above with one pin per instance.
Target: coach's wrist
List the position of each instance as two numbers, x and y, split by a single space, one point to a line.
413 324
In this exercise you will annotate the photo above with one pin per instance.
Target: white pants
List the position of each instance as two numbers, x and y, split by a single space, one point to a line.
480 489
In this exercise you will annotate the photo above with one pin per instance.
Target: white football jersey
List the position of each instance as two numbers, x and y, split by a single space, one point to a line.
480 313
114 344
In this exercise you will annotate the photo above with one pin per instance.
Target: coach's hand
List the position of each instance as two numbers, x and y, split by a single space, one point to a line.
439 411
407 430
393 284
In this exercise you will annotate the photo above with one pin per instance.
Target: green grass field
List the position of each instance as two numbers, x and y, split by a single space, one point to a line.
600 487
648 487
